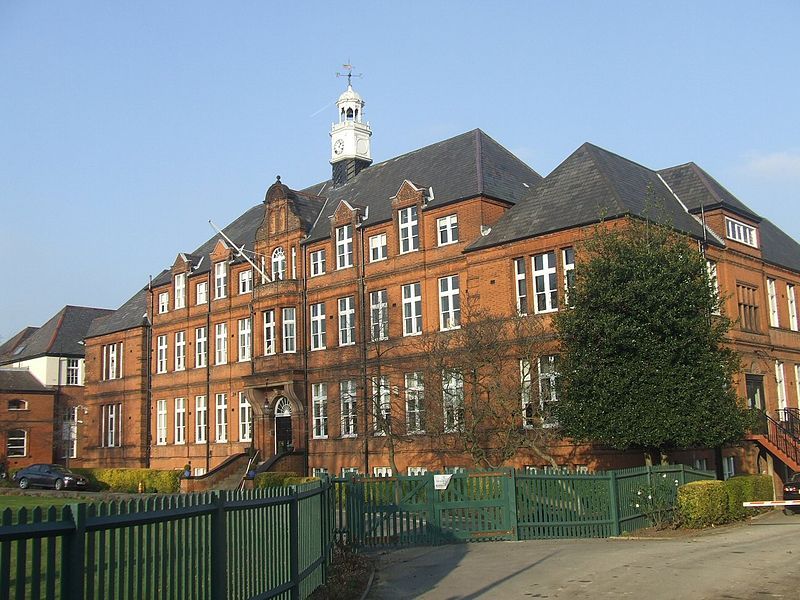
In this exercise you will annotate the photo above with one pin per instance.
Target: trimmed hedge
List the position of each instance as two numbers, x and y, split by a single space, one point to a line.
127 480
279 479
706 503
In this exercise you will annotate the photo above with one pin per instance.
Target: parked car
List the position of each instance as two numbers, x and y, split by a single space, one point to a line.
791 491
50 476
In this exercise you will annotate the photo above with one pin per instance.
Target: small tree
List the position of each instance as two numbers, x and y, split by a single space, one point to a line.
643 359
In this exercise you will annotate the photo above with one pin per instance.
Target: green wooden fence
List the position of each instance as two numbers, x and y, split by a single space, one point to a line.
498 505
272 543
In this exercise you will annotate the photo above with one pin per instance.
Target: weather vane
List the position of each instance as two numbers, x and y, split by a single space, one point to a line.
349 73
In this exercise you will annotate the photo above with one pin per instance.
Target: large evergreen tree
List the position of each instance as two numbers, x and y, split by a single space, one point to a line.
643 362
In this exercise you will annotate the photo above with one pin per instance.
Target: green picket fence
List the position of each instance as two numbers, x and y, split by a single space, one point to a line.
498 505
272 543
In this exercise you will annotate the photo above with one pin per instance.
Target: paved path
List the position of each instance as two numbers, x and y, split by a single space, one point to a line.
755 560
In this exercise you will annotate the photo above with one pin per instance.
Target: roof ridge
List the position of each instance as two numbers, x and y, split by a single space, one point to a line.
62 313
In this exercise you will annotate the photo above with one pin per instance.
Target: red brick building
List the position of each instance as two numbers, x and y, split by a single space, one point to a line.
267 337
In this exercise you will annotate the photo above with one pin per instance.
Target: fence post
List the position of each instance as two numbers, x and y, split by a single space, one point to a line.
682 474
650 476
294 535
511 490
434 523
615 522
73 555
219 547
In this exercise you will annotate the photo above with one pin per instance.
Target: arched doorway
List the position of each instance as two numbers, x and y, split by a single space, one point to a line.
283 424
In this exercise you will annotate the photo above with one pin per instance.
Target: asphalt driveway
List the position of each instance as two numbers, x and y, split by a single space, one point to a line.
754 560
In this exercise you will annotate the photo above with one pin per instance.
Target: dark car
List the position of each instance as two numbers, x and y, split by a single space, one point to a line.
50 476
791 491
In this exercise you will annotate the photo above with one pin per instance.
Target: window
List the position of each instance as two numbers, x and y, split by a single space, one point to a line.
317 263
222 418
347 321
544 282
245 419
180 350
773 303
568 255
344 246
416 471
377 247
528 408
245 338
220 280
278 264
200 419
415 397
381 405
201 290
294 262
748 306
792 300
221 343
455 470
449 303
548 372
319 400
381 471
713 281
379 315
728 467
452 400
701 464
409 229
200 347
412 309
522 286
112 361
163 302
73 371
318 472
269 332
17 404
17 443
448 229
246 281
740 232
780 383
347 396
180 420
180 290
317 326
349 471
161 422
111 424
71 432
289 330
161 354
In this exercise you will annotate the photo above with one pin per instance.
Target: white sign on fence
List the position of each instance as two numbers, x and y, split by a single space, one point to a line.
440 482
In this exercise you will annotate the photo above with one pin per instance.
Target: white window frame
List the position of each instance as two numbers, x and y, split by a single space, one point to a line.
415 399
521 285
201 292
278 263
12 451
318 262
349 408
447 228
269 331
161 423
412 309
245 339
73 375
545 287
317 330
780 387
318 472
713 280
246 281
381 405
163 302
221 418
568 264
344 247
408 226
728 467
526 389
289 325
547 368
416 471
772 293
741 232
347 321
200 347
381 471
791 300
220 280
379 315
180 290
180 350
180 420
452 400
378 248
319 403
200 419
221 344
111 425
449 303
245 419
112 361
161 354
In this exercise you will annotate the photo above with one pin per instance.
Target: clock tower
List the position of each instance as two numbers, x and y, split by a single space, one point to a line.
350 151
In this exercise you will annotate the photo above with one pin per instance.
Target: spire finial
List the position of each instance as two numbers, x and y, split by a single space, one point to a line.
278 177
349 68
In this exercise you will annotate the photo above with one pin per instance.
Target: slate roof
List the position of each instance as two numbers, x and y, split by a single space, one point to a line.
778 247
20 380
60 336
697 188
8 347
465 166
590 185
129 315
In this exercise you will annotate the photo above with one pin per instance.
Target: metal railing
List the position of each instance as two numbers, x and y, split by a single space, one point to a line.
779 435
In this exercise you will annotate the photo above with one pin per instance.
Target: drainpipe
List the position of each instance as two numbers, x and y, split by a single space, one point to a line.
363 348
301 319
148 324
208 368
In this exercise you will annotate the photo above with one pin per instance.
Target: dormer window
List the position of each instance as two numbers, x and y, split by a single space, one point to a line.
739 232
278 264
409 229
180 290
344 247
17 404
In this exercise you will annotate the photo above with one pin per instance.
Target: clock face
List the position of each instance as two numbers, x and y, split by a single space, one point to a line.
338 147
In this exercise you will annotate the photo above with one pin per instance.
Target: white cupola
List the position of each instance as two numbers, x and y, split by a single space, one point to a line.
350 151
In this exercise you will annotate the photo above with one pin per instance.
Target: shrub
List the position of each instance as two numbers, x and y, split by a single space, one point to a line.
703 503
276 479
127 480
746 488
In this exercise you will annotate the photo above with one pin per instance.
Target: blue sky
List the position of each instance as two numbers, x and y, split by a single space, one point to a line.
125 127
